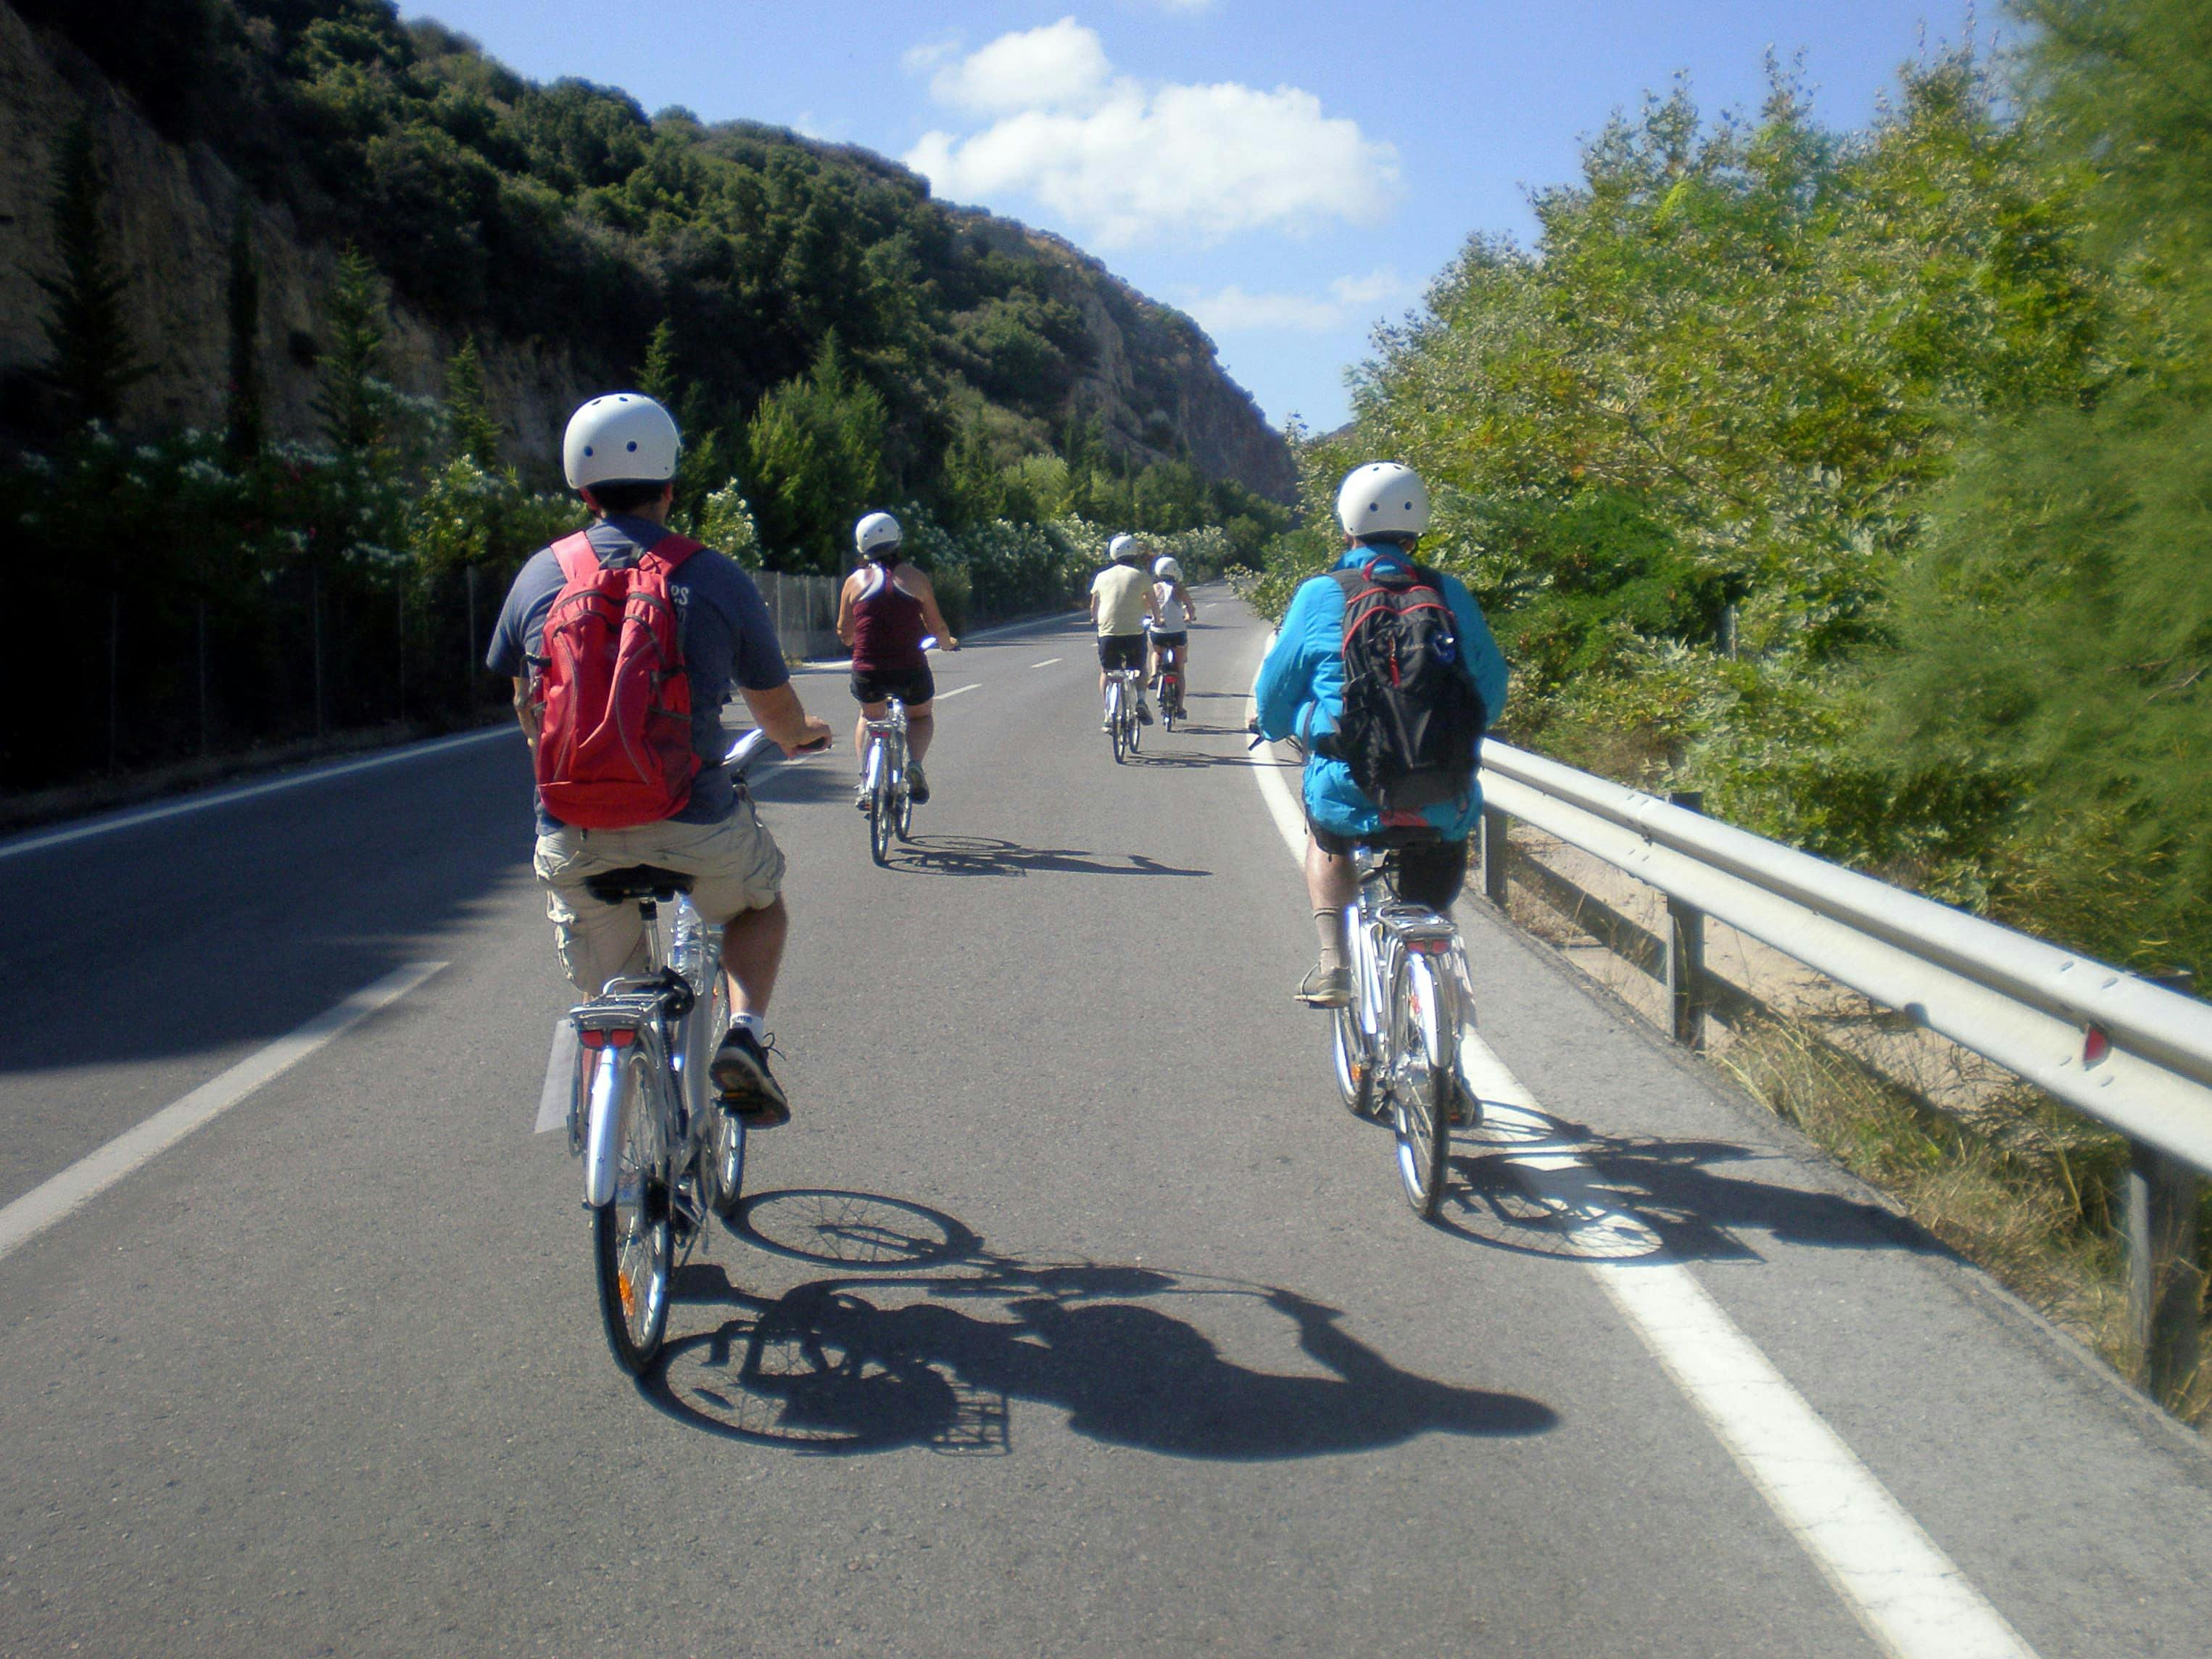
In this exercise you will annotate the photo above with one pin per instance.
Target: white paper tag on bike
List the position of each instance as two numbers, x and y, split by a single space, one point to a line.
560 1078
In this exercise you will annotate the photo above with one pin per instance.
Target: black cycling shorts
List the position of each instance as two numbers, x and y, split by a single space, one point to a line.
1430 872
912 687
1121 651
1174 641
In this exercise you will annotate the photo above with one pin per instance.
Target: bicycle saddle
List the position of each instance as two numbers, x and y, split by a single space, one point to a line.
636 881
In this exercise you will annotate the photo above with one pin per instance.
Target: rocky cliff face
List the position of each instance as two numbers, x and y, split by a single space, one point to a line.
169 214
1152 372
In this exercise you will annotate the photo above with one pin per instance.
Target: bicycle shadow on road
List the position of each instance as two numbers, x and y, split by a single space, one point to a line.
1568 1190
927 1347
988 855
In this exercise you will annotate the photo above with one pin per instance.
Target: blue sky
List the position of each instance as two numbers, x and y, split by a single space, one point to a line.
1288 171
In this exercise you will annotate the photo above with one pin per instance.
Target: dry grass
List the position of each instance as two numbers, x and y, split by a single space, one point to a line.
2024 1188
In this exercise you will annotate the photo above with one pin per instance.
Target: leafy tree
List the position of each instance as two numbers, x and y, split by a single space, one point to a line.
93 360
815 450
469 421
353 399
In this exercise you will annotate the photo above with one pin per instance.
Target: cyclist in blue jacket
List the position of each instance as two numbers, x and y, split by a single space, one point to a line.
1383 508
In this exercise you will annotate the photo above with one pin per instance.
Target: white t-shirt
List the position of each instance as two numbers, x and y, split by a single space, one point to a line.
1174 614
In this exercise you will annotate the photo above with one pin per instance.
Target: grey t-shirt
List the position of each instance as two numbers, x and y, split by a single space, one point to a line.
727 635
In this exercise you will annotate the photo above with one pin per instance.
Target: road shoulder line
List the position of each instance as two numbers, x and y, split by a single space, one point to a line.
92 1175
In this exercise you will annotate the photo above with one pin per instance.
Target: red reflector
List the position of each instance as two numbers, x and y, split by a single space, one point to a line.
2095 1045
1428 947
593 1039
620 1037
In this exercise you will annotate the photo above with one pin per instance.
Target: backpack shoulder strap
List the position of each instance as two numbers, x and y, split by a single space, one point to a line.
579 563
672 550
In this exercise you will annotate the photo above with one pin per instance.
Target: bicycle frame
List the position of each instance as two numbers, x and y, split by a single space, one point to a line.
887 734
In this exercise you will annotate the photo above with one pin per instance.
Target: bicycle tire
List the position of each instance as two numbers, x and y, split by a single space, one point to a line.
1117 722
1136 728
722 1149
633 1236
905 824
1354 1066
880 818
1420 1087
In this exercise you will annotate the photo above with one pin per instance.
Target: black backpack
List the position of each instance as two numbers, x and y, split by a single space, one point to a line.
1413 719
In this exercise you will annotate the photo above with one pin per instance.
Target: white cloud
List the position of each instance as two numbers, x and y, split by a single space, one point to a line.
1059 66
1351 300
1127 162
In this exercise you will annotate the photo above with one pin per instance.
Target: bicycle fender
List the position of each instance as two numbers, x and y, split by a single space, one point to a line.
601 1125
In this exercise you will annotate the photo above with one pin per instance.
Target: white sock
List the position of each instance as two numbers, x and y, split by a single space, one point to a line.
750 1022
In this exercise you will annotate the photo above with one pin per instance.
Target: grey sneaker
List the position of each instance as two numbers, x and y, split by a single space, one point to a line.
916 785
1144 714
1325 988
740 1072
860 796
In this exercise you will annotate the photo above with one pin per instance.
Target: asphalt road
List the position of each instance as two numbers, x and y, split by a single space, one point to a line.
1073 1316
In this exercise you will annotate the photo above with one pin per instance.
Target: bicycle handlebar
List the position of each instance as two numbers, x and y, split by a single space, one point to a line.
747 749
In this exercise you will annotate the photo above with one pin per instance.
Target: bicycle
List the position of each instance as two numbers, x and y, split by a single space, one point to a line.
1168 683
660 1151
1123 695
1395 1043
890 791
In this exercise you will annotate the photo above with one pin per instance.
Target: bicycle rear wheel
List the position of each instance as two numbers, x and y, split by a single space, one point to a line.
1422 1031
634 1241
1117 721
881 809
1355 1067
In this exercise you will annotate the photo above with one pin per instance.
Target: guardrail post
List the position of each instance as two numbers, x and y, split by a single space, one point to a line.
1686 951
2165 1274
1494 855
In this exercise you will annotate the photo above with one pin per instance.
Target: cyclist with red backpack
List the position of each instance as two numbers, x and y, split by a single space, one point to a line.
624 641
1387 672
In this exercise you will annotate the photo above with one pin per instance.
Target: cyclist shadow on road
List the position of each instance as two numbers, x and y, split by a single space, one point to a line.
1640 1195
987 855
885 1357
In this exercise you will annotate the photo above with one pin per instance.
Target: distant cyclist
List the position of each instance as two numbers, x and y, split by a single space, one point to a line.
1121 607
609 796
1169 629
885 611
1383 508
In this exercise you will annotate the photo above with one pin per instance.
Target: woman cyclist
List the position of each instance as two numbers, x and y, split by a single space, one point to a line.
886 609
1170 629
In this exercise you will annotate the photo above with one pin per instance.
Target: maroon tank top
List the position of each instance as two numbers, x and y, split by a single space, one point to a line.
887 626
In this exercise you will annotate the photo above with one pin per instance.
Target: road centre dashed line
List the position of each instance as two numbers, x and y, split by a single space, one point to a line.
1047 663
93 1174
1907 1594
959 691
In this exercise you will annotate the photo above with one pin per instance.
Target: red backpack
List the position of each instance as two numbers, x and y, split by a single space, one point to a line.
614 704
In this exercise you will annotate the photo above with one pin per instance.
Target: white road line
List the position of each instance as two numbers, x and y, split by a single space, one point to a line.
1910 1596
958 690
1047 663
95 1173
249 792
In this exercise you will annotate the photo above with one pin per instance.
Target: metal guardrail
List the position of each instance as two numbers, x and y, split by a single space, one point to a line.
2119 1048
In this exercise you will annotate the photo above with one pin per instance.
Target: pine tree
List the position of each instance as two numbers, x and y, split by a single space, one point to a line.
468 407
243 422
94 362
354 400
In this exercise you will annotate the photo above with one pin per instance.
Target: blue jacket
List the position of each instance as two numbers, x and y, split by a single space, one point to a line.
1300 692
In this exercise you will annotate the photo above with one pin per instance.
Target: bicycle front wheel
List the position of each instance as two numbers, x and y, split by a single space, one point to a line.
905 824
1117 721
880 814
1422 1030
633 1240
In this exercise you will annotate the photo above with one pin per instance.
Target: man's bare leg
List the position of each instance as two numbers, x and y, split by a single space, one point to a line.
752 951
1332 883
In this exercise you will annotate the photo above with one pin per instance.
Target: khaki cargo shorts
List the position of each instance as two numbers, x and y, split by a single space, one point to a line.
736 866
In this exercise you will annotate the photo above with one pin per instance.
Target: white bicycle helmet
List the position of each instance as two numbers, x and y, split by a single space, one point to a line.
1166 568
876 531
1124 547
1383 498
623 437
